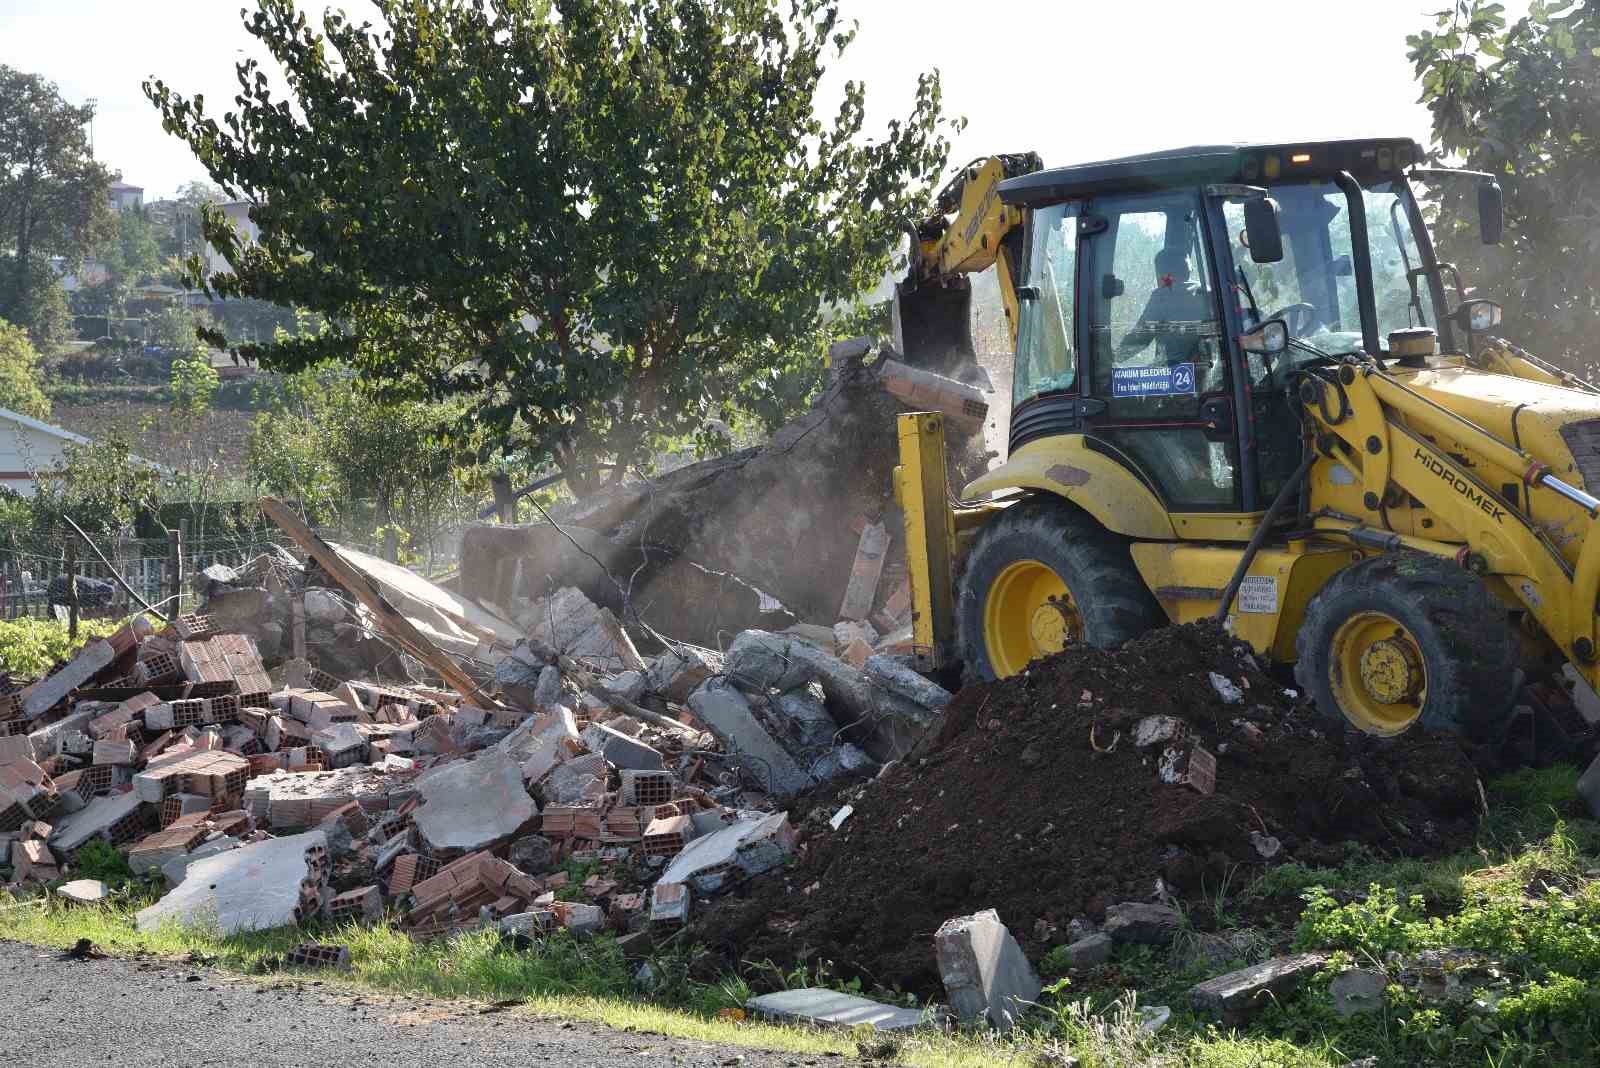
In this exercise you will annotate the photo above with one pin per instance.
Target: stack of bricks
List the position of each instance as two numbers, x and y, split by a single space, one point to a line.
210 773
454 896
410 869
571 821
624 824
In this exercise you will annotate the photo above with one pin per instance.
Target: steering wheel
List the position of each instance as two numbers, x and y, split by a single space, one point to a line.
1299 318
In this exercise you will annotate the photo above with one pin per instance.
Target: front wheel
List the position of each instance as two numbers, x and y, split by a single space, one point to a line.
1406 638
1041 575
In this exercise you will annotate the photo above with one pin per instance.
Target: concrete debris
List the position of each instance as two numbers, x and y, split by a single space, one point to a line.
472 805
830 1008
864 574
744 848
1157 730
678 673
727 713
901 680
1233 998
82 891
274 883
1143 923
1227 689
984 970
620 750
1358 990
574 626
1091 951
925 391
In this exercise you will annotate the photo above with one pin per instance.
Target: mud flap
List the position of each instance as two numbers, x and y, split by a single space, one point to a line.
933 324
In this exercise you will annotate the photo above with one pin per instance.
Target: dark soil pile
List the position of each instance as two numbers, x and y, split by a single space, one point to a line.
1037 802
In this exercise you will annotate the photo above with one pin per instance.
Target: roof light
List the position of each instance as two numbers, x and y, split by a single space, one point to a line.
1271 167
1300 157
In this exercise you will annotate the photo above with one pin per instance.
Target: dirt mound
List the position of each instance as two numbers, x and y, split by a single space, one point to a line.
1038 802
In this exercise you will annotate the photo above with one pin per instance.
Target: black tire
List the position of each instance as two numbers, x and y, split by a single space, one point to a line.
1113 602
1468 648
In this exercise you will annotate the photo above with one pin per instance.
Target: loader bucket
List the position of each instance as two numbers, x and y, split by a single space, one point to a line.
933 325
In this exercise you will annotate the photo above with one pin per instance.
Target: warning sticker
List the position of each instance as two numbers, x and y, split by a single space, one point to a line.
1258 593
1176 380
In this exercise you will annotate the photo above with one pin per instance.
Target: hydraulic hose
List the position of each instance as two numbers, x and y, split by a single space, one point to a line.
1259 538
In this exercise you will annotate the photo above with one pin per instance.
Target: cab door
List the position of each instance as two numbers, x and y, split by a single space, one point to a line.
1154 349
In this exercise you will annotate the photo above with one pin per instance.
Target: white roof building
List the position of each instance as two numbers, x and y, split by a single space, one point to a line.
30 449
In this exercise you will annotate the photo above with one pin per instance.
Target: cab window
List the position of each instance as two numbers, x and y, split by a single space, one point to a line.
1047 359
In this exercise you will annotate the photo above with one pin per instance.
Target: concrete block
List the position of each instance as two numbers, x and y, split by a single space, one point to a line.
1234 997
901 680
830 1008
984 970
1142 922
620 750
1090 952
680 672
669 902
726 712
468 805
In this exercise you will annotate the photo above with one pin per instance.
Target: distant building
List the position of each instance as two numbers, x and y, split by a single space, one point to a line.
237 213
30 449
91 273
125 197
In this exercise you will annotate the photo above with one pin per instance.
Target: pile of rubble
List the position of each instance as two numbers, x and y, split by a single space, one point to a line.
265 798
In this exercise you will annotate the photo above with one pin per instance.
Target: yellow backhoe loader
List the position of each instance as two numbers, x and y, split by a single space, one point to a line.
1244 387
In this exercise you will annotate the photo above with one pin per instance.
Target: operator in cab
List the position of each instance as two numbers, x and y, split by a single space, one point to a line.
1176 302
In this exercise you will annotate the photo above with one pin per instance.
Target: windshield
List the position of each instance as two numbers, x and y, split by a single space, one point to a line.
1313 288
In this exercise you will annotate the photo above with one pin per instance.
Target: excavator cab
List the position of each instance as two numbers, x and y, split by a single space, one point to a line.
1241 390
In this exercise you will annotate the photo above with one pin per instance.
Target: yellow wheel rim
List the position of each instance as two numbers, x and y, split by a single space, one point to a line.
1028 613
1377 673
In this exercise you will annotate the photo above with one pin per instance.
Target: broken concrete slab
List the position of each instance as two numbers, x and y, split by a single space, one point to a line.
49 691
727 713
758 661
83 891
627 686
984 969
805 719
620 750
469 805
572 624
1234 997
746 847
680 671
1142 922
830 1008
540 743
272 883
900 679
110 817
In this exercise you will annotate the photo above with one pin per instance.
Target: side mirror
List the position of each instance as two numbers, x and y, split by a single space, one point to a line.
1263 230
1478 316
1491 212
1268 339
1111 287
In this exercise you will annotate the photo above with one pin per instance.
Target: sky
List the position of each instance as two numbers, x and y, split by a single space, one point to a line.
1074 80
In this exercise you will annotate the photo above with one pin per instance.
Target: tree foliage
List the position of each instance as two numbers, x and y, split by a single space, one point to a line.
53 195
130 255
21 387
600 220
1518 101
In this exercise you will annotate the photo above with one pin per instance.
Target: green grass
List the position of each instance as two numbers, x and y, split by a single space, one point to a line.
29 647
1521 896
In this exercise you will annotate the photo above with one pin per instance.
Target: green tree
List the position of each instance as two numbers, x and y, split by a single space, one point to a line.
130 256
177 221
53 195
1518 101
600 221
45 314
20 383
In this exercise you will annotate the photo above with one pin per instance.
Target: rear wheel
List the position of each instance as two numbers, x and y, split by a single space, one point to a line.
1405 638
1040 576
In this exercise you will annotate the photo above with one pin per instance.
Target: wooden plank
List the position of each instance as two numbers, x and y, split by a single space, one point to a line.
394 624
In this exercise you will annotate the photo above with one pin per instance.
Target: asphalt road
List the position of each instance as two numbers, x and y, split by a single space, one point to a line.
57 1013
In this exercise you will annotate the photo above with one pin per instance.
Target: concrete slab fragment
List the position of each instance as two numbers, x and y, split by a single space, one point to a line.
93 820
620 750
472 805
751 846
727 713
830 1008
984 970
268 884
1234 997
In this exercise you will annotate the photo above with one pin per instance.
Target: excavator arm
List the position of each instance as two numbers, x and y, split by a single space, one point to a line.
969 231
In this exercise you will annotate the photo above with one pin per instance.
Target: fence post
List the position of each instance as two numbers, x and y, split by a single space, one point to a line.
175 569
72 586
